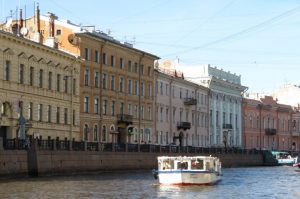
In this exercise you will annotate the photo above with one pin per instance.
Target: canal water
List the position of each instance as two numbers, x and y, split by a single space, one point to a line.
253 182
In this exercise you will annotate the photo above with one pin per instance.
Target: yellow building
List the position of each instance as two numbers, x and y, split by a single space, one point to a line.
39 90
116 80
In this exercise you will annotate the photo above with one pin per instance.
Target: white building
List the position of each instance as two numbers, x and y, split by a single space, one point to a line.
225 103
181 110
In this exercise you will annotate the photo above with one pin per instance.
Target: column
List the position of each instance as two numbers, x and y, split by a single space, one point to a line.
238 133
214 108
234 125
221 121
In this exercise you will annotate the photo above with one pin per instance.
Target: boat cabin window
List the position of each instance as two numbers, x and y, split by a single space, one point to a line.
197 164
182 165
167 165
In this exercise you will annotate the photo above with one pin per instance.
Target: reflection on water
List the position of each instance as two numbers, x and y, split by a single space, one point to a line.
255 182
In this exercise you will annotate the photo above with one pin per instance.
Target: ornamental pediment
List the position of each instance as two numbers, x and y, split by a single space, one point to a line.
42 61
32 58
22 55
9 51
51 63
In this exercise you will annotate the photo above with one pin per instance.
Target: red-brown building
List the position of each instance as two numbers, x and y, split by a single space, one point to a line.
269 125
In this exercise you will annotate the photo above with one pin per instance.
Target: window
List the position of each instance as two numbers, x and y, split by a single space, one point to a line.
112 61
149 71
6 70
149 89
104 106
135 87
74 86
142 112
57 115
96 105
30 111
173 91
58 32
135 111
95 133
121 84
122 63
86 77
65 116
167 89
50 81
21 74
49 113
174 113
87 54
129 66
104 61
129 86
122 108
180 93
142 69
167 114
129 109
66 83
112 82
41 78
74 119
161 114
58 82
113 108
85 131
96 58
103 81
96 79
104 134
135 67
149 113
31 76
142 88
161 88
217 118
40 112
86 104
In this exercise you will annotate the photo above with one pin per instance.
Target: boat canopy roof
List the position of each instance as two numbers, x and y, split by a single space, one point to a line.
185 158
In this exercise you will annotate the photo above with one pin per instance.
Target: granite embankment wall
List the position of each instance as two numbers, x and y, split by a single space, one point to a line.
15 162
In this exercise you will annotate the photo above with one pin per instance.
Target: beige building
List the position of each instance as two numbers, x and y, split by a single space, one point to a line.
181 110
39 90
116 80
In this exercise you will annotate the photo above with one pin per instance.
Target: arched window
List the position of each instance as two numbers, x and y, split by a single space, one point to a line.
103 133
95 133
86 131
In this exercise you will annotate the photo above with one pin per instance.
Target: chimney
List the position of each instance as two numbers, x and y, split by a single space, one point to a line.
37 37
21 19
38 19
50 41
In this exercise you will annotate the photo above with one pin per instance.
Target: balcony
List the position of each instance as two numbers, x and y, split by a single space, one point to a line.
183 125
270 131
123 118
190 101
295 133
227 126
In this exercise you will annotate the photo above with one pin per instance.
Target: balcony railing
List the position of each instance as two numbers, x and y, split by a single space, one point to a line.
270 131
190 101
183 125
123 118
227 126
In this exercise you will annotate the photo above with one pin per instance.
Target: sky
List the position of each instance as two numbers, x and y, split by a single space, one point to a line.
256 39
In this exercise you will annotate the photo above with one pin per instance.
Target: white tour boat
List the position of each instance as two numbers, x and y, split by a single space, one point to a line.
182 170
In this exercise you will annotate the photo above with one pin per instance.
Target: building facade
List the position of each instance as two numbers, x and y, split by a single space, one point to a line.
269 125
181 110
39 90
225 104
116 80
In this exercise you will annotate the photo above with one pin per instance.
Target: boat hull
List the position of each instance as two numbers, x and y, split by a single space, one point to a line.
188 177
